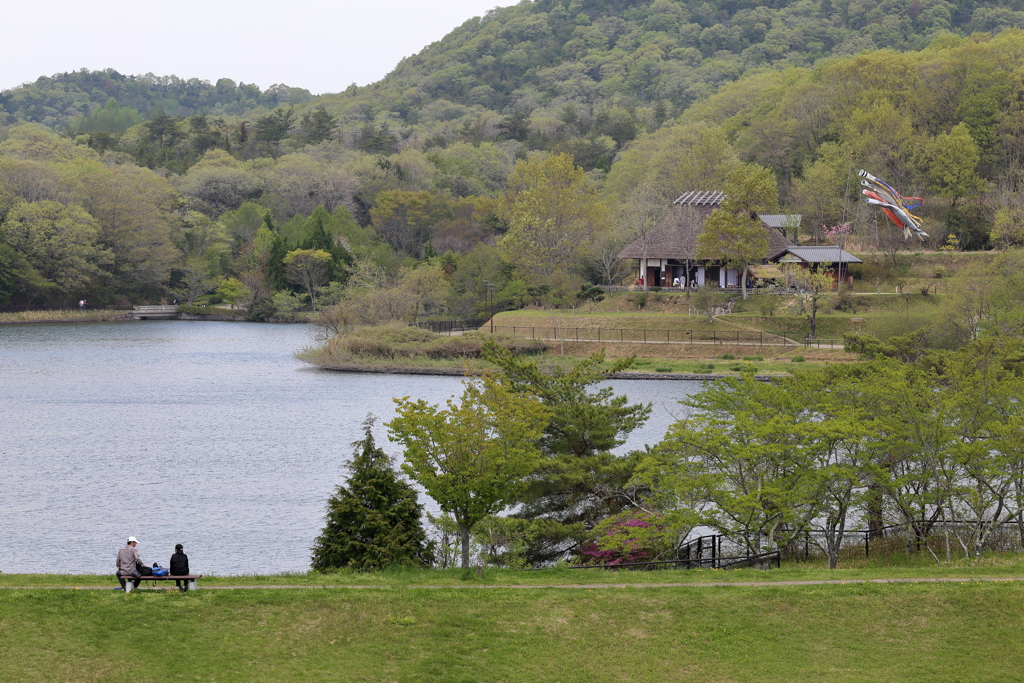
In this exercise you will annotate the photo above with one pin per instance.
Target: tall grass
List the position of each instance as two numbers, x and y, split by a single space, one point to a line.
64 316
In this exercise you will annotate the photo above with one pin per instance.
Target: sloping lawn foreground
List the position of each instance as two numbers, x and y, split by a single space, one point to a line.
856 632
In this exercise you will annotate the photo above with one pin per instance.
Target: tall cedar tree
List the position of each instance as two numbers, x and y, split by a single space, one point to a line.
374 522
576 484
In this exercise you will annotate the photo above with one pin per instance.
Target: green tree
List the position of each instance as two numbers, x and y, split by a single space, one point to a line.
59 241
473 458
160 126
8 259
952 161
243 223
821 192
733 234
204 256
373 522
756 467
219 183
815 287
318 125
317 233
134 209
405 219
274 127
232 290
554 215
309 269
574 486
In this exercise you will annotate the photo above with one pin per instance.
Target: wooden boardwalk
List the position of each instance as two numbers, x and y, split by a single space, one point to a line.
155 312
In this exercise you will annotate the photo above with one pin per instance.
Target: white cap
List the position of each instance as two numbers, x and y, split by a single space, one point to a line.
131 539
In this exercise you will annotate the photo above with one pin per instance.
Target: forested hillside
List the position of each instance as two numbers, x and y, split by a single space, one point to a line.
104 101
431 183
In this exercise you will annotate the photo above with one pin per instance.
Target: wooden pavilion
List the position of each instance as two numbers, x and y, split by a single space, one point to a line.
671 247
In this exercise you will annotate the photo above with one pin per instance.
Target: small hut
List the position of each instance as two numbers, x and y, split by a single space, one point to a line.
834 258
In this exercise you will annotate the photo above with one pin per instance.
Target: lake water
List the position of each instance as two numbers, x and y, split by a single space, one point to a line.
202 433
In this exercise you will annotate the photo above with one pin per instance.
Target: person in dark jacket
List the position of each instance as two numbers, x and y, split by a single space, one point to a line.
179 566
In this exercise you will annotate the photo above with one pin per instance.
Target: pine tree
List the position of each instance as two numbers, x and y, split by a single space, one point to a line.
373 522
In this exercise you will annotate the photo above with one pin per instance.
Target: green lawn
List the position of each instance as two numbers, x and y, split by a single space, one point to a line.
882 315
853 632
854 568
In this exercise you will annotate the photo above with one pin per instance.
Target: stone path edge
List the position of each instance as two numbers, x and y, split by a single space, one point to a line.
575 586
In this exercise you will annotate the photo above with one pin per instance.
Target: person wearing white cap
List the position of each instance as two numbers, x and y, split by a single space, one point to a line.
129 562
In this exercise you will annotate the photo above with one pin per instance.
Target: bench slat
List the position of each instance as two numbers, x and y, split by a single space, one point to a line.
178 577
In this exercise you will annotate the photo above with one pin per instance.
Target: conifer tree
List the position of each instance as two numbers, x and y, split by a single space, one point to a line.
373 522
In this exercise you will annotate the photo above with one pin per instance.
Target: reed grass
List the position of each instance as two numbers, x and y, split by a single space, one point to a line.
58 316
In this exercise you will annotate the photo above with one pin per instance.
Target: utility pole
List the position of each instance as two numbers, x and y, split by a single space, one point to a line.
490 303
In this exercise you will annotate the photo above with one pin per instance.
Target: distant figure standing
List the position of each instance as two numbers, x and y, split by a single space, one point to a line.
179 566
129 562
81 304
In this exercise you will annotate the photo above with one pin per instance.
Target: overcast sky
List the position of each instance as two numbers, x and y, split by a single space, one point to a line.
321 46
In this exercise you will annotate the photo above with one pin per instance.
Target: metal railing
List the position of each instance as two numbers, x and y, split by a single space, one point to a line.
644 336
818 343
897 538
768 560
449 326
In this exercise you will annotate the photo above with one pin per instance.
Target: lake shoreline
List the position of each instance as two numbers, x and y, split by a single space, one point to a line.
456 372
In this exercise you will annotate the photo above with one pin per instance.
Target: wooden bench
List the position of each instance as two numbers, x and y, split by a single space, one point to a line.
129 582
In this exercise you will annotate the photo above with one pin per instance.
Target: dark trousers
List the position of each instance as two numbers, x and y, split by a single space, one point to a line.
120 579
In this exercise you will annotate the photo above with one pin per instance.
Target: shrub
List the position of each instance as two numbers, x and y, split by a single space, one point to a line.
663 369
727 356
798 359
503 541
389 342
844 301
640 299
260 309
768 304
753 358
631 536
209 310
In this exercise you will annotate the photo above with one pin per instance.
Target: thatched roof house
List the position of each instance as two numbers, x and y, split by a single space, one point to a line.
671 247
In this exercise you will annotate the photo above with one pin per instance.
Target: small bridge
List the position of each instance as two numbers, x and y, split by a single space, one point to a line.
155 312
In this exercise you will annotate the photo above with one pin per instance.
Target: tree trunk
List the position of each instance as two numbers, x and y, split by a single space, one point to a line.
874 511
464 533
743 282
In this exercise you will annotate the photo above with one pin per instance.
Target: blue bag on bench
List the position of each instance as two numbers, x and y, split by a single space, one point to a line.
158 570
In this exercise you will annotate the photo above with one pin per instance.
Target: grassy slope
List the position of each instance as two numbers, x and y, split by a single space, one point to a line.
855 632
853 567
671 311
